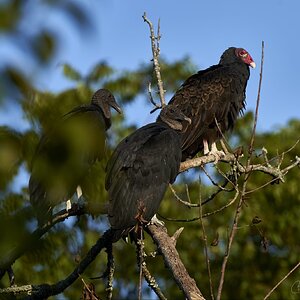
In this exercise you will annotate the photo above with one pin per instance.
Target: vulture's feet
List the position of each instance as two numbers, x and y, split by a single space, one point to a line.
214 151
218 155
156 221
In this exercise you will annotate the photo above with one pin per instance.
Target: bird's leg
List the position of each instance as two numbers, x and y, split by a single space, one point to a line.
11 276
156 221
80 198
78 194
214 150
78 191
205 147
217 153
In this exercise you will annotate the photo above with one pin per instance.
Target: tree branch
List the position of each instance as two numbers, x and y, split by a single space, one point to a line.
43 291
284 278
29 241
244 187
152 282
230 158
155 52
173 262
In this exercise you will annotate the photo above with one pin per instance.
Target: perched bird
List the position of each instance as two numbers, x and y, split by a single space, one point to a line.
65 153
213 99
140 170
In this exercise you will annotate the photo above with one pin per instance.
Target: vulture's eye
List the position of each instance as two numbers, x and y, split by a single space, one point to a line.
243 54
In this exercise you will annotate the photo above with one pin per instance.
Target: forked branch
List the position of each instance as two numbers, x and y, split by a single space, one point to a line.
156 52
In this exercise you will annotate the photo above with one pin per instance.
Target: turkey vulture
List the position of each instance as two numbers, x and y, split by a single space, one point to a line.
213 96
65 154
140 170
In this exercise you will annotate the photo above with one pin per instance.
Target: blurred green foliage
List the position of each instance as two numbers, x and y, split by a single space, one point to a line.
262 253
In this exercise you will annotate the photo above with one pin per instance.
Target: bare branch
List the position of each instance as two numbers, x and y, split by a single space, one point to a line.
242 194
140 245
110 273
176 235
230 158
30 240
155 52
174 263
152 282
258 99
215 183
204 237
284 278
188 204
43 291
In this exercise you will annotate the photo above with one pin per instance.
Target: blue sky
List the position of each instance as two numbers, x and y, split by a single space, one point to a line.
199 29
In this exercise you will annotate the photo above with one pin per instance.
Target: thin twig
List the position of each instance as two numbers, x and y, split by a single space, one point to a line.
283 173
155 52
284 278
44 291
29 241
215 183
186 203
242 194
223 140
220 189
258 98
152 282
204 237
110 274
206 214
140 259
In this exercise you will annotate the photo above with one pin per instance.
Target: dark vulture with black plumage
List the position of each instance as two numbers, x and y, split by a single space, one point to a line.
140 170
65 153
216 94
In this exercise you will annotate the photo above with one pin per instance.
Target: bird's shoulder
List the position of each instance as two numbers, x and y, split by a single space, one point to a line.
143 150
212 80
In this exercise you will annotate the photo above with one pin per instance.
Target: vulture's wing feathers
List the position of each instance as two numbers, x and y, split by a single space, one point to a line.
64 155
66 152
139 172
213 96
203 98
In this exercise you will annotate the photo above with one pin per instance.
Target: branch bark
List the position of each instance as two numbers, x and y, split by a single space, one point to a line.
44 291
166 246
230 158
30 240
155 52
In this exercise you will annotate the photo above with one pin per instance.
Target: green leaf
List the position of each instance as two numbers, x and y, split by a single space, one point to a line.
71 73
100 71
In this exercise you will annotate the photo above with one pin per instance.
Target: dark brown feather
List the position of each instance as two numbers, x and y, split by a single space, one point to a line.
140 170
217 93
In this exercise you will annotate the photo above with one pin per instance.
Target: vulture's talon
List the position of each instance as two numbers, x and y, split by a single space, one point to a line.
156 221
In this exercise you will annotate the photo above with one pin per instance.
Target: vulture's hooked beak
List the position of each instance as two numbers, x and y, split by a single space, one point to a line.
253 64
116 107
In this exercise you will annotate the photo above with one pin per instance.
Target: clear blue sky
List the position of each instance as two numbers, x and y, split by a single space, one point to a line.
200 29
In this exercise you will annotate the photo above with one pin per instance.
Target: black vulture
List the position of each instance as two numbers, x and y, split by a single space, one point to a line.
213 96
65 153
140 170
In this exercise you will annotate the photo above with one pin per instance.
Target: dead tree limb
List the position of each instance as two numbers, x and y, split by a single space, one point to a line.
155 53
29 241
230 158
244 187
44 291
166 245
